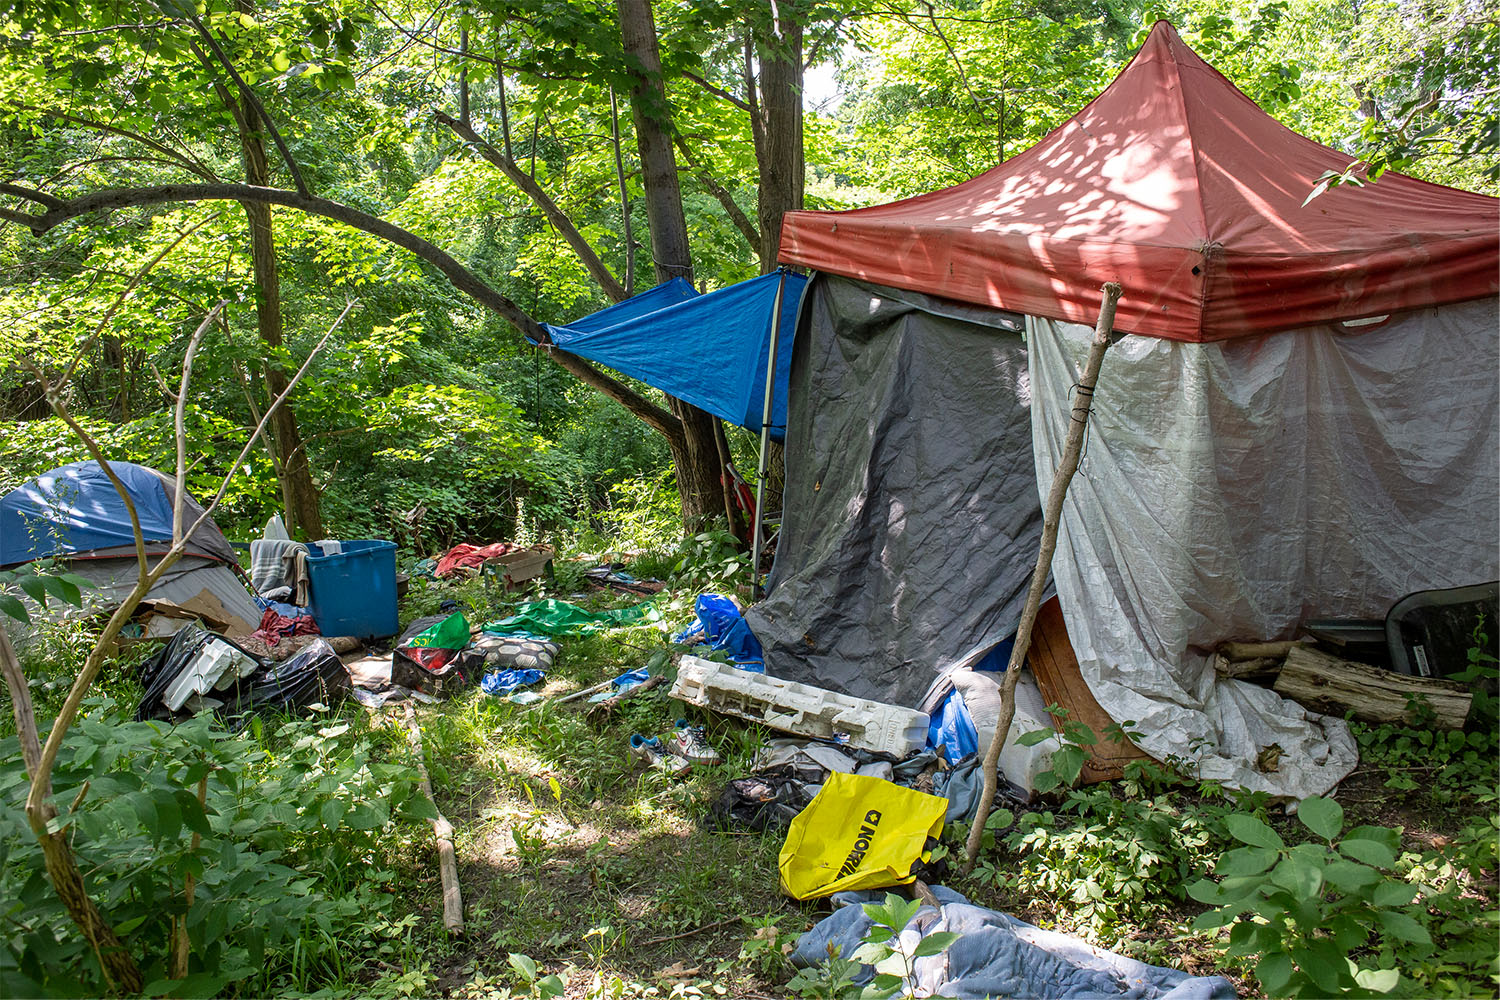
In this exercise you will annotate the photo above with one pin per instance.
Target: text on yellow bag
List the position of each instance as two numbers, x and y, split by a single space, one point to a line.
859 832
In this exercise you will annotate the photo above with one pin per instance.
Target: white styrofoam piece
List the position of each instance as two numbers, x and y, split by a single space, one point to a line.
216 666
1020 764
799 708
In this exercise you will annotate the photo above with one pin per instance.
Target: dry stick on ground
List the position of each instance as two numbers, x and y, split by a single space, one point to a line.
442 832
1051 517
608 705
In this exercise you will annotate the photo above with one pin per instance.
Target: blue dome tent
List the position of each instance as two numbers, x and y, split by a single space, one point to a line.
76 514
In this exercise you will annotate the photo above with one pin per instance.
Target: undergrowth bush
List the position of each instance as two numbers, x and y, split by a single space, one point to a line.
287 834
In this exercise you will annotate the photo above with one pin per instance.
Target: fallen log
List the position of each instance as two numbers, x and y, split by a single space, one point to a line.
1333 686
1260 670
1256 650
442 832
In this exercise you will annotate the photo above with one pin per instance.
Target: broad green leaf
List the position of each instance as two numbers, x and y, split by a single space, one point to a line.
1274 971
935 943
1369 851
1324 817
1250 830
1392 893
1246 861
1404 927
1377 980
1318 968
1302 880
1351 876
523 964
13 608
34 588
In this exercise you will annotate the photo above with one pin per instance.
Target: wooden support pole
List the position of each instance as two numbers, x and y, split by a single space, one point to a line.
442 831
1083 404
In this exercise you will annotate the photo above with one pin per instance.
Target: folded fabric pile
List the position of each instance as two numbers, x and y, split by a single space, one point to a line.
997 955
465 556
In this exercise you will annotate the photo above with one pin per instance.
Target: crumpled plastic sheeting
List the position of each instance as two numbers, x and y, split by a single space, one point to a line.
1232 490
1000 956
912 518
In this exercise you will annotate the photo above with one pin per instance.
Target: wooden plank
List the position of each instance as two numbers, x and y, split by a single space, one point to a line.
1333 686
442 832
1055 666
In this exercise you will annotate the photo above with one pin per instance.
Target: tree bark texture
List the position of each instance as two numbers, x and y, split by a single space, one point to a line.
777 130
696 456
298 494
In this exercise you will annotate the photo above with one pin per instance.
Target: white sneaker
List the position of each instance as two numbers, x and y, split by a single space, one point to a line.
662 758
690 743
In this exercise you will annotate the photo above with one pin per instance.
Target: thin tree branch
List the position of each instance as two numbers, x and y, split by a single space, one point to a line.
254 102
586 254
184 160
718 91
731 207
179 417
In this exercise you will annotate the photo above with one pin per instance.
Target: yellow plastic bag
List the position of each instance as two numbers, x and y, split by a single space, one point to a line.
859 832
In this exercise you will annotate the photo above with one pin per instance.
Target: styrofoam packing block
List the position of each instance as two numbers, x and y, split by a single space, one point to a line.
216 666
800 708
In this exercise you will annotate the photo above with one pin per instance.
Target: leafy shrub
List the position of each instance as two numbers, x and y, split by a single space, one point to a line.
284 836
1325 917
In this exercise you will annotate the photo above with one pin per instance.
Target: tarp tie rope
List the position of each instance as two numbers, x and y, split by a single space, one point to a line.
1080 411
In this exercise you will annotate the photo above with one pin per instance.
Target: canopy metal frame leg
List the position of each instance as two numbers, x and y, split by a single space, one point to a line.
757 539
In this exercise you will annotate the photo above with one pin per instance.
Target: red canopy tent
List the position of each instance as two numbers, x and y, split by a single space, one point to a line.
1178 186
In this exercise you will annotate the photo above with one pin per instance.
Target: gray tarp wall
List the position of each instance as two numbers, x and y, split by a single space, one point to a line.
1233 490
912 519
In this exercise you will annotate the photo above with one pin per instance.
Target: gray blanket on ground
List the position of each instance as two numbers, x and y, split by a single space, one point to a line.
1000 956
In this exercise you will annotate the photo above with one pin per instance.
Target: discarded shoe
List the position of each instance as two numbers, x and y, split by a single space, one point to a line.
658 756
690 743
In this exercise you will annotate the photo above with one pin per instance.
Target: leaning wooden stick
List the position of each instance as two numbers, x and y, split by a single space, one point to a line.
442 831
1051 518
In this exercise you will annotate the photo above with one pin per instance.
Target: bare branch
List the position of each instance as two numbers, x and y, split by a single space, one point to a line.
731 207
179 417
254 102
30 194
586 254
718 91
184 160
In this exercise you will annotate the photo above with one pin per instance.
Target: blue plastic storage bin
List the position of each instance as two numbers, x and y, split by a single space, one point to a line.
354 591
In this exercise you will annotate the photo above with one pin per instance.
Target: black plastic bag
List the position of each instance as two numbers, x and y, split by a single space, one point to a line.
315 676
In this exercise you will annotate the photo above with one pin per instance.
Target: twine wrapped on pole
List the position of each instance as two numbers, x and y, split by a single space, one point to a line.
1083 404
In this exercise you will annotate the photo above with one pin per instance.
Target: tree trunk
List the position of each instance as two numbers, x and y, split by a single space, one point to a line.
776 123
696 454
299 496
777 130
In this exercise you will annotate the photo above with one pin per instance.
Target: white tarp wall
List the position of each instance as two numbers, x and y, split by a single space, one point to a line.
1232 490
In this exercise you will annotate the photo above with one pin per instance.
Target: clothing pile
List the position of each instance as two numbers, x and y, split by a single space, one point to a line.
465 556
997 955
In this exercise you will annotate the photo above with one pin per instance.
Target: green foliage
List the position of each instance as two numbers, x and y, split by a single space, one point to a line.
890 953
289 851
1446 767
1326 917
38 581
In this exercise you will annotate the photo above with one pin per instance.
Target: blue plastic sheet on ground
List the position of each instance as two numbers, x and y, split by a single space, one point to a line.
720 625
951 727
997 955
503 682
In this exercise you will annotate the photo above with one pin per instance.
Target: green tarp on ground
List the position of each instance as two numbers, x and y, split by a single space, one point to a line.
552 617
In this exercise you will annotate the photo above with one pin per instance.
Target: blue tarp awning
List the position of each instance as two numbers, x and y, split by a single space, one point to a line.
709 350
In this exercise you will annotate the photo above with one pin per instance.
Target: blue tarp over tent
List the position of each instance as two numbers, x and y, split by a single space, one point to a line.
75 509
709 350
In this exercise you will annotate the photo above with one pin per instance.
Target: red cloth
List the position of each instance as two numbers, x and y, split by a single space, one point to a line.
1176 185
274 626
465 555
